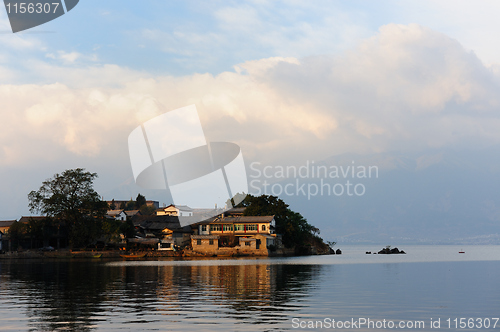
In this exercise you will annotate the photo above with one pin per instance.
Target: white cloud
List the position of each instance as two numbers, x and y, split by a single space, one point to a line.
67 58
406 88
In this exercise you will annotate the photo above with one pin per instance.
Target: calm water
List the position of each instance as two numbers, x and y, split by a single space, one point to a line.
252 294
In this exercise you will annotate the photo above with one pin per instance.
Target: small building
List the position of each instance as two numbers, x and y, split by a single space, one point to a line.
235 212
117 214
175 210
165 228
205 243
5 225
166 244
235 235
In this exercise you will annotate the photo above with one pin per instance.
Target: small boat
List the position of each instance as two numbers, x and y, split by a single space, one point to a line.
96 256
133 256
461 252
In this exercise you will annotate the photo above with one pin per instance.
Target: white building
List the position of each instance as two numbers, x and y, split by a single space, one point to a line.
176 211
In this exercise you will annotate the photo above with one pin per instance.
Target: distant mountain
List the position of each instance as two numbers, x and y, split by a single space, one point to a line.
442 196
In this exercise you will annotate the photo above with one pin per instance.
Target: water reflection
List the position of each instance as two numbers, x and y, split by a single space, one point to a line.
57 295
86 295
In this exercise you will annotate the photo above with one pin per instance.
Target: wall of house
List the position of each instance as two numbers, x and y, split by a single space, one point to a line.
181 239
207 246
247 245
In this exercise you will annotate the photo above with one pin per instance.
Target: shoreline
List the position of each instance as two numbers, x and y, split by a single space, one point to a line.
68 254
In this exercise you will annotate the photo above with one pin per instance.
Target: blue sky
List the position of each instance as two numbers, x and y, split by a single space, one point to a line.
182 37
289 81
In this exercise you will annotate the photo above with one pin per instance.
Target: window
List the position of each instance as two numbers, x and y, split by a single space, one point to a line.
239 227
251 227
263 227
247 243
198 242
215 228
211 242
203 228
227 228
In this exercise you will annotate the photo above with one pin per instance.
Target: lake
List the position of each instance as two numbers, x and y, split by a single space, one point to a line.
429 285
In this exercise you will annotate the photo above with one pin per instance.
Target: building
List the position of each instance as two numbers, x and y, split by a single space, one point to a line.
165 229
175 210
234 235
5 225
117 214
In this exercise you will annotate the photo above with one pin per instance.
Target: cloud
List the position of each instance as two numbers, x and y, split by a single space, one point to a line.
68 57
406 88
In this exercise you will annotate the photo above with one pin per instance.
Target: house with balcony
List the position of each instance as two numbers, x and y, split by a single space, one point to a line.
228 234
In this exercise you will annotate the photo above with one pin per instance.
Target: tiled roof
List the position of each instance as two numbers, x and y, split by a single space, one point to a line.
113 212
25 219
6 223
236 210
239 220
156 222
132 212
179 207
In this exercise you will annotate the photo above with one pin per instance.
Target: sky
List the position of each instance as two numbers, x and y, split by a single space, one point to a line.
288 81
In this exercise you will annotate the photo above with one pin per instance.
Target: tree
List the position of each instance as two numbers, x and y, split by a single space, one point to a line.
295 229
267 205
17 233
112 206
140 201
70 197
130 205
147 210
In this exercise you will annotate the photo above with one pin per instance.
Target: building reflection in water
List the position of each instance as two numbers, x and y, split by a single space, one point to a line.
83 295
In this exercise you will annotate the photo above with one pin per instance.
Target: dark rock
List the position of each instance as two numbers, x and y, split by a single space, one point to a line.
387 251
338 252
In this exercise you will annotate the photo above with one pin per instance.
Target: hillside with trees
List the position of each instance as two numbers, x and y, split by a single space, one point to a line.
296 232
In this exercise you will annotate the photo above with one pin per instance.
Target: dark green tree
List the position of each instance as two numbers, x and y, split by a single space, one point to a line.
111 230
147 210
127 229
294 228
140 201
17 233
130 205
70 197
112 206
